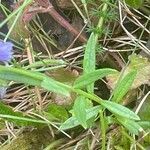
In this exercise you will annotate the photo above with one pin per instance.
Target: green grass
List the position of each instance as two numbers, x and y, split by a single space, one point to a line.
63 92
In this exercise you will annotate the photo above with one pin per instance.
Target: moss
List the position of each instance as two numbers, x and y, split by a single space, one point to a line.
36 139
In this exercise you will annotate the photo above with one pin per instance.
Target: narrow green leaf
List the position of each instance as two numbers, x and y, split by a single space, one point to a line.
89 58
23 121
20 75
139 63
17 117
123 86
134 3
69 123
46 62
119 110
55 86
91 77
33 78
79 110
131 125
73 122
145 124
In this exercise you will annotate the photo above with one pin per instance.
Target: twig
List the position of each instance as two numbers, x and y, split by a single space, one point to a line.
57 17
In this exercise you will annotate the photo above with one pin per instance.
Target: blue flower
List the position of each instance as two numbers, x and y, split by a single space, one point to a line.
2 92
6 51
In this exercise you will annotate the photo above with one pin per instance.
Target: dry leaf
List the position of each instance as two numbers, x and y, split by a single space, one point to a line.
139 63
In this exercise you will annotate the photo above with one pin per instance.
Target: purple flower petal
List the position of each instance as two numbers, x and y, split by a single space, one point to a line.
6 51
2 92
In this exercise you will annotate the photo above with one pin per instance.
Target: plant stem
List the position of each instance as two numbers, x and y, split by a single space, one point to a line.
103 129
57 17
88 95
132 140
101 20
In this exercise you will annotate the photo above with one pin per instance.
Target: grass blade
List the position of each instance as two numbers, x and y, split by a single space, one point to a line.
17 117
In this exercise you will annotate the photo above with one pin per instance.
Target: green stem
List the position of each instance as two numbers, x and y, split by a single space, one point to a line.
27 2
46 62
12 26
88 95
103 130
101 20
132 140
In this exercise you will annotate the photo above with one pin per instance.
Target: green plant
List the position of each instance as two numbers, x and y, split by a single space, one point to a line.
88 109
